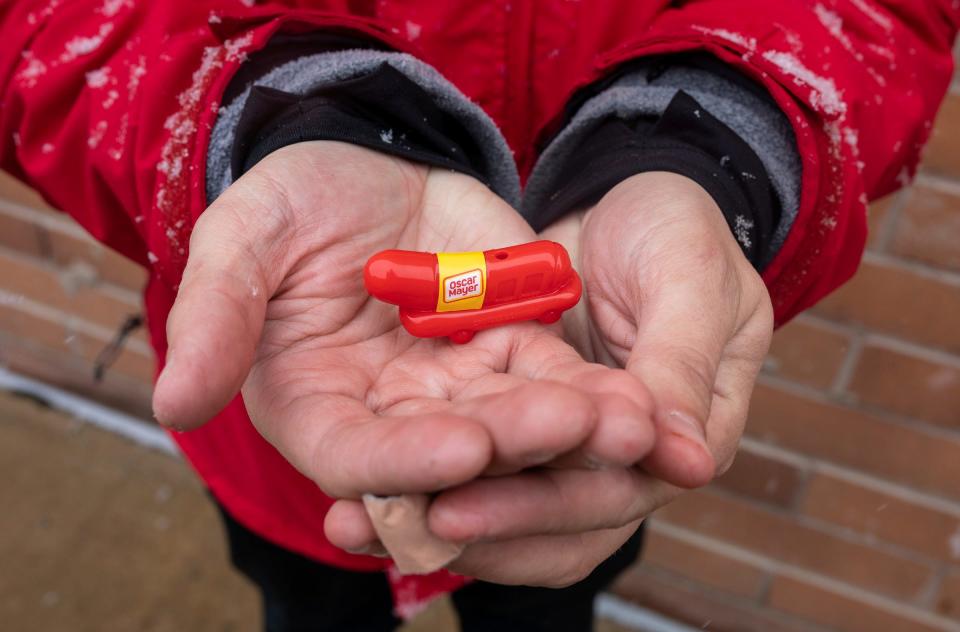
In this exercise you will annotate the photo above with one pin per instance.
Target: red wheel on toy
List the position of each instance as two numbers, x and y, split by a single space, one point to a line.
462 337
550 316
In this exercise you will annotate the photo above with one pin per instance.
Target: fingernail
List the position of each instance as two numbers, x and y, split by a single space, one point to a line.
594 463
537 458
685 426
368 549
456 525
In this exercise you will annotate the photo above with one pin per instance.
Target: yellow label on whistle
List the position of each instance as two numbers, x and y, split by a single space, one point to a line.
463 281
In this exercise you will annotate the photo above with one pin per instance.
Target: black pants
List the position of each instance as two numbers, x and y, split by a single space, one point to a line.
301 595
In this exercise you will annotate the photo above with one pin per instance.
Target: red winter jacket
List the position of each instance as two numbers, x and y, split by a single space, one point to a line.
107 107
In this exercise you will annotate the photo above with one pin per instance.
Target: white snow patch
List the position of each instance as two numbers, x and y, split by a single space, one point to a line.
248 3
46 148
832 21
112 97
794 41
110 8
171 194
79 46
741 230
32 72
876 76
214 18
904 177
47 11
16 139
96 134
152 258
867 8
386 135
236 48
824 93
829 222
98 78
750 43
883 51
137 71
852 139
116 152
413 30
724 160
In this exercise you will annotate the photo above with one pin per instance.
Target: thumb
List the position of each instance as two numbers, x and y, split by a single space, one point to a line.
216 321
680 340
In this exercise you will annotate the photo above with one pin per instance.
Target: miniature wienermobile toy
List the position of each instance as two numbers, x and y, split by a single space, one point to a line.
457 294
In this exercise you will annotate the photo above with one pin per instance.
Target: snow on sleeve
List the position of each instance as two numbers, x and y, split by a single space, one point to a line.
824 95
876 16
748 43
79 46
172 191
110 8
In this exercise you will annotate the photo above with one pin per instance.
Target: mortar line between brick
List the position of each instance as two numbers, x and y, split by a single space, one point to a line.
903 421
689 584
938 182
920 269
872 336
62 223
928 596
763 562
906 347
48 265
850 475
69 321
888 229
847 535
822 322
841 381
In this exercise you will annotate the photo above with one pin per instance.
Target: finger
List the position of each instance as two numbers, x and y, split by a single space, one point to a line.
624 432
215 323
532 423
348 526
546 502
553 561
623 436
676 354
736 377
333 440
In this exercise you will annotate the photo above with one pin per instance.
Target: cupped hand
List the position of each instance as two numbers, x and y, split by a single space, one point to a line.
272 301
672 298
669 296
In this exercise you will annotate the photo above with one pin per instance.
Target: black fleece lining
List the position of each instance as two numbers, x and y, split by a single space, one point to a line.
686 139
382 110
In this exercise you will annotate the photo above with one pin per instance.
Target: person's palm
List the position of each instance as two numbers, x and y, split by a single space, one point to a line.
272 299
670 297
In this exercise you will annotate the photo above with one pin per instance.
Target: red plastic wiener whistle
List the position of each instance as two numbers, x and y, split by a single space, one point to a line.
457 294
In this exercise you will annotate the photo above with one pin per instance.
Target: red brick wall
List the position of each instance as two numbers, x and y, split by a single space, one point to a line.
62 298
843 508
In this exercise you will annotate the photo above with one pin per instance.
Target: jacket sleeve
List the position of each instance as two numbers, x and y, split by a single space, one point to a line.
860 82
107 105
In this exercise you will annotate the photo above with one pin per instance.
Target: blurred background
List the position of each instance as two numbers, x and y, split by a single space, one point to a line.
842 511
